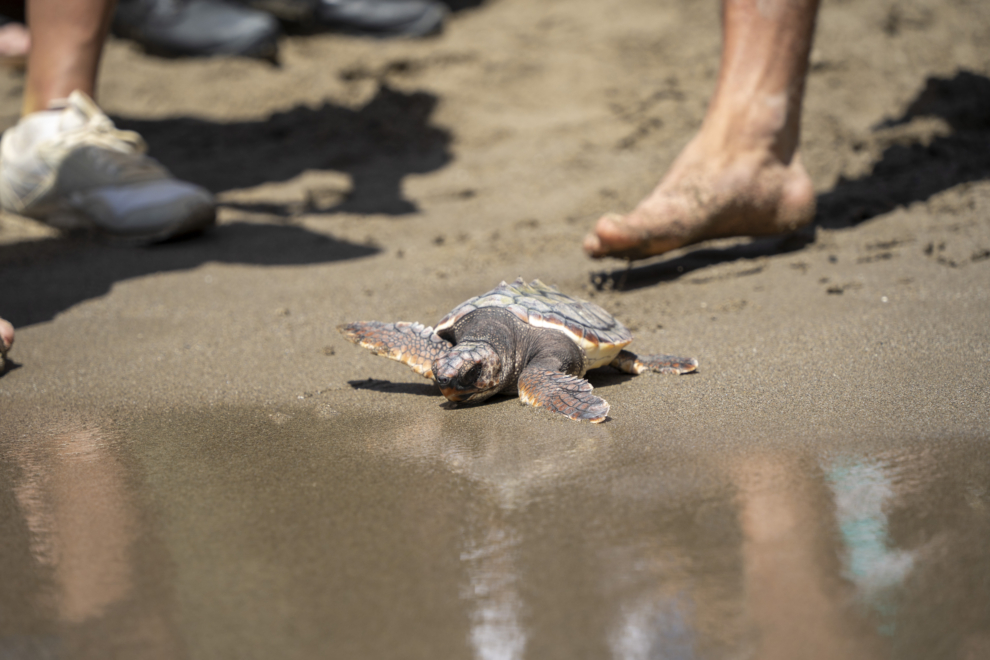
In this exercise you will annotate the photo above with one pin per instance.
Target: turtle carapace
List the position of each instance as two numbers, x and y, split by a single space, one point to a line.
525 338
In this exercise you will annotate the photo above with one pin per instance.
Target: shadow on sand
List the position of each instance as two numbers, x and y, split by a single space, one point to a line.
376 145
39 279
913 170
422 388
909 170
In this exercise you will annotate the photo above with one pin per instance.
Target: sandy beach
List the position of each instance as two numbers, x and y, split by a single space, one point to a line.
196 464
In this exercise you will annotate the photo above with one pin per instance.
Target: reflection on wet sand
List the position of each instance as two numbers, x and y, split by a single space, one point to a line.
81 528
244 534
492 588
654 625
793 595
511 463
506 475
81 525
781 553
862 490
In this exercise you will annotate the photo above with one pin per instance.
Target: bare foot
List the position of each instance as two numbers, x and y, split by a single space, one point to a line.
6 340
710 192
741 175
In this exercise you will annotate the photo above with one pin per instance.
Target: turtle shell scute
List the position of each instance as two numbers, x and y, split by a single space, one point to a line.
544 306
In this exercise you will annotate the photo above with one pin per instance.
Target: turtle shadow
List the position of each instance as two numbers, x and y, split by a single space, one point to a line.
379 385
605 377
41 278
913 166
601 377
375 146
609 376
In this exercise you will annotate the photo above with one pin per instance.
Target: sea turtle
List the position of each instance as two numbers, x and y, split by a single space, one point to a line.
529 337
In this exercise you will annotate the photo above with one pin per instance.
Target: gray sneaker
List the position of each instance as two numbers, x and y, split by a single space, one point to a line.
70 167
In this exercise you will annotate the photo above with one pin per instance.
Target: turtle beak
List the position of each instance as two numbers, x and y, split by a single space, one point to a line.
451 393
465 373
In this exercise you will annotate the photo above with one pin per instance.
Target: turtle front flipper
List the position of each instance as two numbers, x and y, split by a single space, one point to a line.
410 343
562 393
664 364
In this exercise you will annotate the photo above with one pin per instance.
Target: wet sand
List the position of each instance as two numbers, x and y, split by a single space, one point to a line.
195 464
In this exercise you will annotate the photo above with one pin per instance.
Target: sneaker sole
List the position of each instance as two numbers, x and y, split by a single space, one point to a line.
69 220
429 24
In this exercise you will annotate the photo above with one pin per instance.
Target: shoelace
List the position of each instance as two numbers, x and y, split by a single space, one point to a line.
118 153
100 131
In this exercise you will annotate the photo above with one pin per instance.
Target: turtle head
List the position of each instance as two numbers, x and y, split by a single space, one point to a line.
470 371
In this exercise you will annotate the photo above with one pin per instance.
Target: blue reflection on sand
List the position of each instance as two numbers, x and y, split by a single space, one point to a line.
862 490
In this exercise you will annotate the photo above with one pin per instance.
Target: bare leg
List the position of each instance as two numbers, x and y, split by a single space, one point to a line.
799 608
66 45
741 175
67 165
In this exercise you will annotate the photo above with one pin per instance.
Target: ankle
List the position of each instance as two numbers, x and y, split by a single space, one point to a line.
758 123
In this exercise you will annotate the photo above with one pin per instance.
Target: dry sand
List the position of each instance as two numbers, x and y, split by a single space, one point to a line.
391 180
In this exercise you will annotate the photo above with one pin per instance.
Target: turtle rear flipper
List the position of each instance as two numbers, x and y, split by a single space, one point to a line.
562 393
410 343
665 364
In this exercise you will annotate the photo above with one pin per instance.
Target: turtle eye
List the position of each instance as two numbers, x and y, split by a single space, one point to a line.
471 376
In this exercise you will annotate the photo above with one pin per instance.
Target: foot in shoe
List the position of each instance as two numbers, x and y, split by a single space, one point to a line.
191 28
69 166
409 18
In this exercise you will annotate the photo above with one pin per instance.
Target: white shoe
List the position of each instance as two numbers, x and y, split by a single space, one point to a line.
70 167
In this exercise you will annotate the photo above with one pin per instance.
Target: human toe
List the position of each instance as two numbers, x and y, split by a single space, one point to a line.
628 237
15 42
6 340
6 333
608 236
